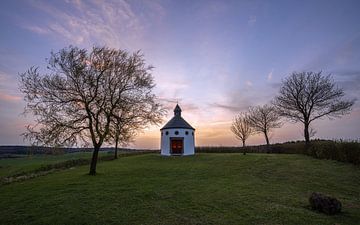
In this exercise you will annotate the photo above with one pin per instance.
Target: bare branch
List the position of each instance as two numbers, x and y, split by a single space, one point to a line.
263 119
241 127
87 95
308 96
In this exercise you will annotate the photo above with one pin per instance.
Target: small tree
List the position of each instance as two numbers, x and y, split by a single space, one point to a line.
77 101
307 96
131 118
263 119
120 135
241 128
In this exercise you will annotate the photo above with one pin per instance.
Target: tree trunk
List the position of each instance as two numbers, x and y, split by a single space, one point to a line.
306 133
94 161
243 142
116 148
267 142
267 139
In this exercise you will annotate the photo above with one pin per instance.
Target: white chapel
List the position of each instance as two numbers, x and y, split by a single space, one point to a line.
177 136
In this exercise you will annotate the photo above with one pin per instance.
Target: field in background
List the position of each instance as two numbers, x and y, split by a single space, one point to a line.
201 189
13 150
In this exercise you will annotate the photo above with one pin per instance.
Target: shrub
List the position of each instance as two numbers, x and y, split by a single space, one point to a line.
344 151
288 148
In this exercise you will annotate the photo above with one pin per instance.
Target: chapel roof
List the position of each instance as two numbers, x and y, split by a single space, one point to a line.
177 121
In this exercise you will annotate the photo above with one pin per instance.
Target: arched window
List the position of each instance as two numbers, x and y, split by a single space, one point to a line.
186 132
192 133
176 132
167 132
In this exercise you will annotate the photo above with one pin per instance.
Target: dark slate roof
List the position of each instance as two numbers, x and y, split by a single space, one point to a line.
177 121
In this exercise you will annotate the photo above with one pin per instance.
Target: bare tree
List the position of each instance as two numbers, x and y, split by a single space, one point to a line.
241 128
120 135
130 119
308 96
263 119
76 101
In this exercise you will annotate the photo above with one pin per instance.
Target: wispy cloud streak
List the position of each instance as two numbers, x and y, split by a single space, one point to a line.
270 75
112 23
9 98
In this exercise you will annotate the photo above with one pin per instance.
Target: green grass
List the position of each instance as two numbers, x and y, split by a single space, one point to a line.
12 166
204 189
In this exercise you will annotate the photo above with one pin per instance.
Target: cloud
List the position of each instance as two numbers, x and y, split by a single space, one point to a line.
227 107
171 80
169 100
170 103
342 56
221 123
249 83
270 75
347 73
8 86
276 85
9 98
112 23
172 86
212 9
37 29
11 105
2 76
349 80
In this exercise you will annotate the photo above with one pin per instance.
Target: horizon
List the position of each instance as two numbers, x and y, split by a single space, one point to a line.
215 58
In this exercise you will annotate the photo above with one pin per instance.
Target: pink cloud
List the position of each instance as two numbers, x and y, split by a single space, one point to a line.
9 98
113 23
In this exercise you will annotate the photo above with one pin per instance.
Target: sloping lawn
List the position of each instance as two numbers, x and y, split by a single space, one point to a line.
201 189
13 166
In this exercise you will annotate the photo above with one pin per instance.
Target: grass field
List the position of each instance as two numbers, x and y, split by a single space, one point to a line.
12 166
202 189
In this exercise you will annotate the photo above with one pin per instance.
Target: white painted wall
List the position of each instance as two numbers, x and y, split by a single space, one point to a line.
189 140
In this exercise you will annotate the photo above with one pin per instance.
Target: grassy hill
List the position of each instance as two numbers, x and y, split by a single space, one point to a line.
203 189
23 163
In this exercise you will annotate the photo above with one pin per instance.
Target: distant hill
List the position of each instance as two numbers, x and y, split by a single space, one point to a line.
49 150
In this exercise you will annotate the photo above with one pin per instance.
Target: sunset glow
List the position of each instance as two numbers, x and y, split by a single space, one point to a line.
215 58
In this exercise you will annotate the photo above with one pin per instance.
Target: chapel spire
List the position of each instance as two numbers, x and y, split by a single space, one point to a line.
177 110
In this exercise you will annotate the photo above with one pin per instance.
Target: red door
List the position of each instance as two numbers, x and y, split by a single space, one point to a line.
176 146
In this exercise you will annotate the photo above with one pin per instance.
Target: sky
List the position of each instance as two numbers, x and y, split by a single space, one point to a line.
216 58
